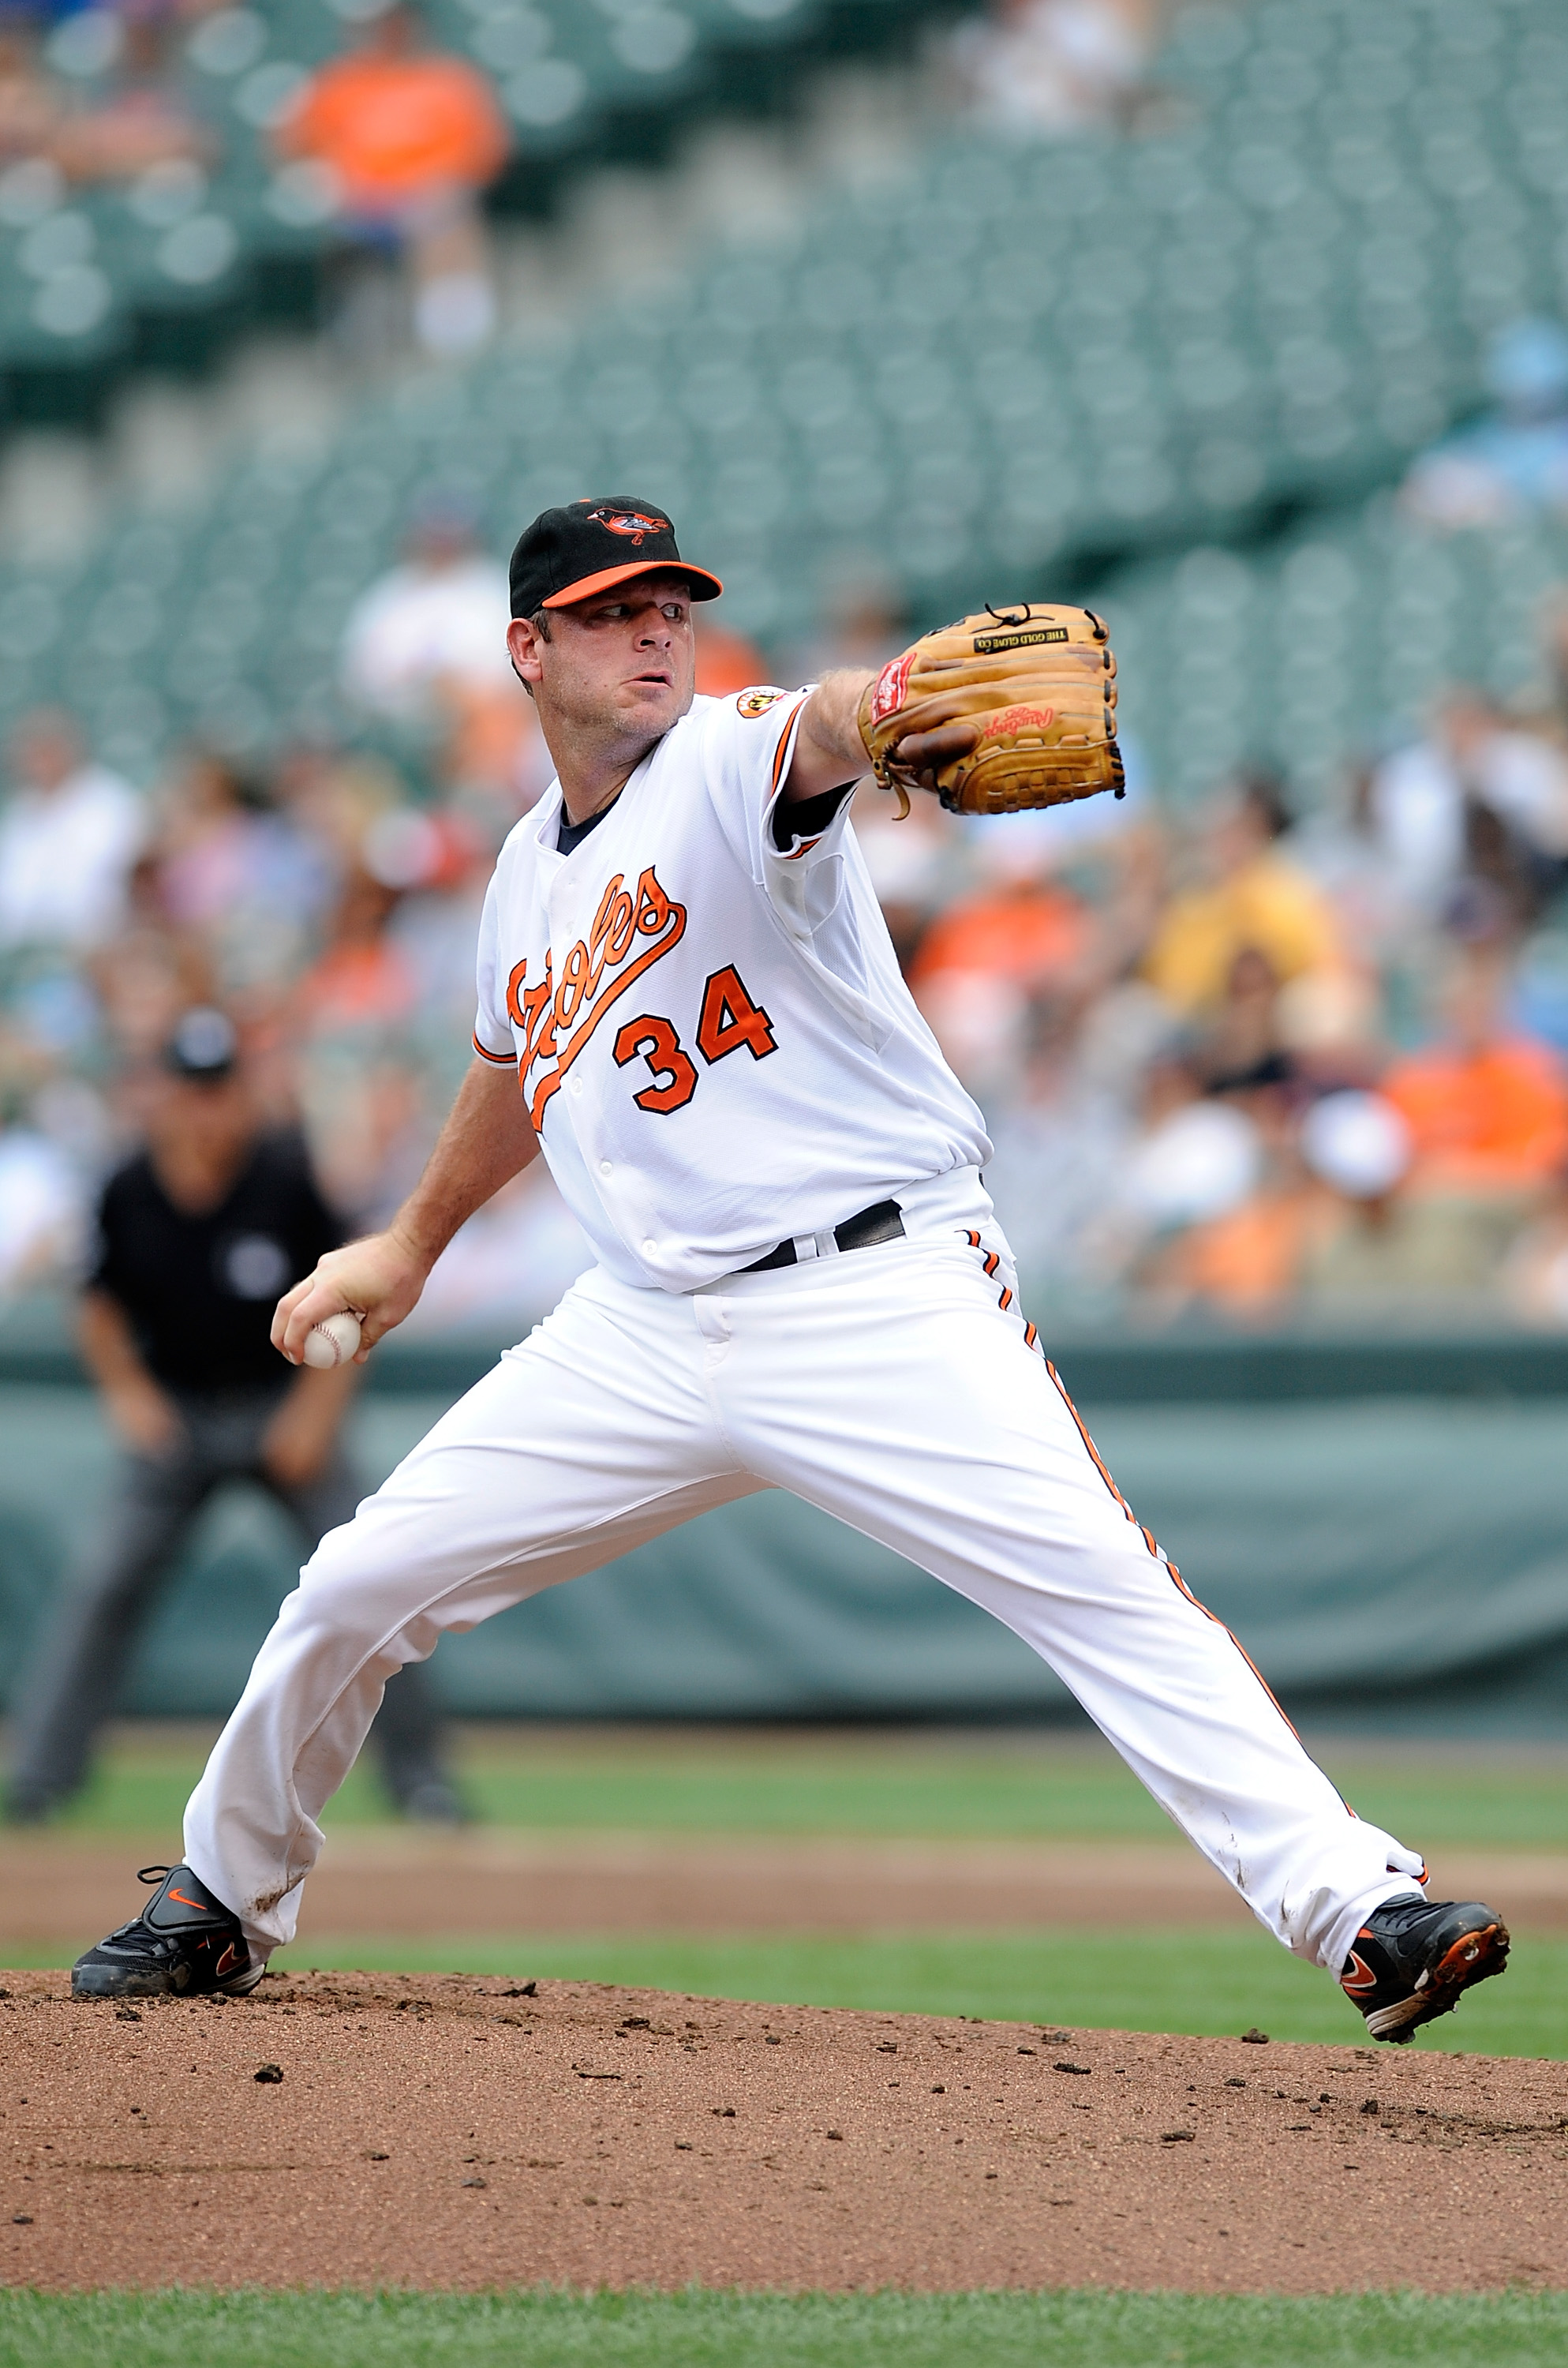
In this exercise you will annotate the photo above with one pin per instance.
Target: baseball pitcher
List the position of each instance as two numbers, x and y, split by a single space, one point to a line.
688 1002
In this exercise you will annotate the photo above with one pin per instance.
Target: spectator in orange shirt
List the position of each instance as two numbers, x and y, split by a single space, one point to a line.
1246 1262
410 138
1487 1110
1246 1265
360 979
1027 931
983 960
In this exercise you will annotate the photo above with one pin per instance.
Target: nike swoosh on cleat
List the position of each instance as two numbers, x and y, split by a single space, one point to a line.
1360 1976
199 1906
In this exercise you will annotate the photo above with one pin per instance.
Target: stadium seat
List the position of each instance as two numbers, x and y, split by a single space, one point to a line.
1273 302
568 76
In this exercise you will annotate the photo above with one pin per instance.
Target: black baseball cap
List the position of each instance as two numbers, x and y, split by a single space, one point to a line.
584 547
203 1047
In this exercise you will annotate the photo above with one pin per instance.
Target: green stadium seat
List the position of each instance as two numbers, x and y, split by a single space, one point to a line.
562 69
1277 302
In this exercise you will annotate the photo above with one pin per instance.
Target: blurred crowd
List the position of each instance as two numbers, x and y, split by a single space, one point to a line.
96 93
1056 65
404 139
1512 457
1240 1065
1249 1066
394 139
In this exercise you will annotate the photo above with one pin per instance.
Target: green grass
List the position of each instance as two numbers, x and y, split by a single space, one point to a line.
696 2330
1179 1979
927 1786
931 1785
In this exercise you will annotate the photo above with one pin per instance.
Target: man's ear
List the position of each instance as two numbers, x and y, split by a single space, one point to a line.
526 644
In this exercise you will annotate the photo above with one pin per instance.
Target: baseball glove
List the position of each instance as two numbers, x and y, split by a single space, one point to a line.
1014 707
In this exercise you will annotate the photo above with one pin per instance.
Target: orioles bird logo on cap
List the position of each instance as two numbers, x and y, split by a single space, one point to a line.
633 524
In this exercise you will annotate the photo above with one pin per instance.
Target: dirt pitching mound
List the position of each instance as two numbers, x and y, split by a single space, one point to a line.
375 2129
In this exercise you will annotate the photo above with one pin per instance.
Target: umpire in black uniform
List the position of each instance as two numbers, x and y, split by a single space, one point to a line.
198 1235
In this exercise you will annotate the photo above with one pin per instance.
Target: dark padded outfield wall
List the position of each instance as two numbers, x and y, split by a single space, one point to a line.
1381 1552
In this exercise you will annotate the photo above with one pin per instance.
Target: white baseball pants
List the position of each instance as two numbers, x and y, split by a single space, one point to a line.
898 1387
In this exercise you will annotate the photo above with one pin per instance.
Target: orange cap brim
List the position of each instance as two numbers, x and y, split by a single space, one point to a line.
586 586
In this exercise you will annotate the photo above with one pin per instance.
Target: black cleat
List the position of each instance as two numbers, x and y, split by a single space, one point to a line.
1413 1957
184 1943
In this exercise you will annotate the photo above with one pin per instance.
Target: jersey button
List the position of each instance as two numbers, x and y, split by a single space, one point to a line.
650 1248
604 1166
576 1085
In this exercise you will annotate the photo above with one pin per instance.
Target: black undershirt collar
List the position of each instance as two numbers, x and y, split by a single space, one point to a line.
572 833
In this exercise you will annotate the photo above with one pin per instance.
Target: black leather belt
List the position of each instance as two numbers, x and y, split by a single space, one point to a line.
883 1221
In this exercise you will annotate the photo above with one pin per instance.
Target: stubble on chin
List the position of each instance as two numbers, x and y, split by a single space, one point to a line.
653 711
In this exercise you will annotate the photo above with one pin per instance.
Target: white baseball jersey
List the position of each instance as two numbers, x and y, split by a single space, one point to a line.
711 1034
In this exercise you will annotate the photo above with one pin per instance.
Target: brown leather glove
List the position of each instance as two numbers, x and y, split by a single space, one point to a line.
1012 707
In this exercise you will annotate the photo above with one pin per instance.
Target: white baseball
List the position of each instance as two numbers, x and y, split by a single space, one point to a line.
332 1342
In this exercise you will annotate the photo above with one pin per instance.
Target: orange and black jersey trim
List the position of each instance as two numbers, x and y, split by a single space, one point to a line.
798 828
507 1060
990 1262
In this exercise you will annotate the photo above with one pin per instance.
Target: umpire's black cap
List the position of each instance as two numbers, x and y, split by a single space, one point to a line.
584 547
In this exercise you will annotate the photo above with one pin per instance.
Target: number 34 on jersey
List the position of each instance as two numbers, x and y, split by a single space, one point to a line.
631 931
